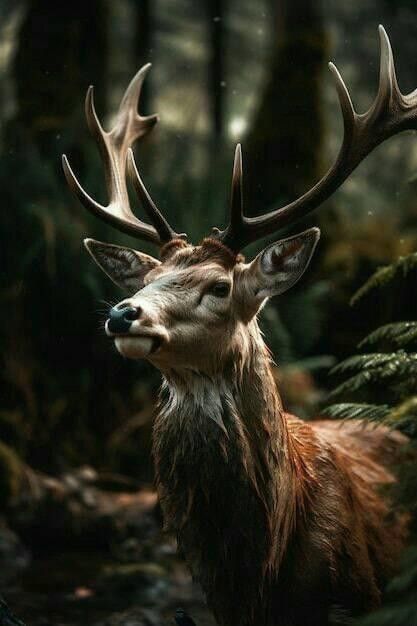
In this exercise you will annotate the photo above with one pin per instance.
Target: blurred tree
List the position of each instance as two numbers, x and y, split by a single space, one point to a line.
61 48
216 69
143 45
55 363
398 6
286 137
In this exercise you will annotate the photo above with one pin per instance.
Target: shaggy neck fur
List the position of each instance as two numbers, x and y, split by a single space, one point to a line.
226 477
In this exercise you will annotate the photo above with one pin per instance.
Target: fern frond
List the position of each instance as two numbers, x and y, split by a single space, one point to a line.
355 383
362 361
384 275
355 410
399 333
397 368
409 336
401 365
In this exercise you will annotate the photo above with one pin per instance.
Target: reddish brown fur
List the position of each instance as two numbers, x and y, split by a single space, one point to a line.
280 520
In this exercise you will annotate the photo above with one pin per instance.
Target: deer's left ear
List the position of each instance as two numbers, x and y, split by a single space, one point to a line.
281 265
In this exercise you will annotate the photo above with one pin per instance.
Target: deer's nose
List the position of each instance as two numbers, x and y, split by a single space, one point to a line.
121 318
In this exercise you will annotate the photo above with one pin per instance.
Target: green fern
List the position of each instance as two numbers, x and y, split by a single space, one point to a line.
355 410
384 275
362 361
354 384
402 416
400 334
392 369
388 381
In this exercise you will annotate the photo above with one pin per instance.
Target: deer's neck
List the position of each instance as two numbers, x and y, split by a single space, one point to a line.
225 470
223 463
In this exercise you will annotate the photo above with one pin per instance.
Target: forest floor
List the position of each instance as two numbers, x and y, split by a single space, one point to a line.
84 552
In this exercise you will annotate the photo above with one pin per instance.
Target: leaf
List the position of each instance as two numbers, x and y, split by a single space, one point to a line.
362 361
398 333
384 275
354 383
355 410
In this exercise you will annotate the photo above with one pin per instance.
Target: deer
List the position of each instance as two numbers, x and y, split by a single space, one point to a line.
281 521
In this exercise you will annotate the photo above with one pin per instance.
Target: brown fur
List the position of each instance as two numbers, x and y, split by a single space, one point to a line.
209 250
281 521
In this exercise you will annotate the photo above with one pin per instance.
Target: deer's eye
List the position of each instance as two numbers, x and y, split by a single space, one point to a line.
220 289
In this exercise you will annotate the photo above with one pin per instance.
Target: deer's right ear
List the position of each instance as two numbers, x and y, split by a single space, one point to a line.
126 267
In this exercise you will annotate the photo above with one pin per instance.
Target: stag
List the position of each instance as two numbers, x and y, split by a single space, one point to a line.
281 521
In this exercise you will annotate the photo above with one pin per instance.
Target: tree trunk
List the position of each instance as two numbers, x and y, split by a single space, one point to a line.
283 147
216 70
143 46
61 50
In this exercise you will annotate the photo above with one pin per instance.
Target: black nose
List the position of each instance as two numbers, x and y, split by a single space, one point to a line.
120 319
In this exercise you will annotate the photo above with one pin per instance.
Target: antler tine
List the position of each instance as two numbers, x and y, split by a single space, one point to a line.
114 146
388 86
236 196
164 229
129 124
348 112
390 113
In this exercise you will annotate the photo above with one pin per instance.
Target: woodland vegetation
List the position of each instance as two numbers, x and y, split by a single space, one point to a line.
80 529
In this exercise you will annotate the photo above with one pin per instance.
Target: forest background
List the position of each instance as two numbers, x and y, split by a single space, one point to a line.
223 71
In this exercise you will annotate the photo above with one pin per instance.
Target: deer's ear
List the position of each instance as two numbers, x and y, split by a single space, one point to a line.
281 265
125 266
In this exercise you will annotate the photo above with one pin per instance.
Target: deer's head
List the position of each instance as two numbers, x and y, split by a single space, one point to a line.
197 304
193 307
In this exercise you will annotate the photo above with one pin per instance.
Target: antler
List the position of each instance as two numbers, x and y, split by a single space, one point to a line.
115 147
390 113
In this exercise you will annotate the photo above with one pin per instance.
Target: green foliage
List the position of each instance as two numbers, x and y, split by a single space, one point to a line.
355 410
398 334
398 370
386 275
382 387
56 361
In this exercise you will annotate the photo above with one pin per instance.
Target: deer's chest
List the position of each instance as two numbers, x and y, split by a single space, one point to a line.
208 495
202 468
210 503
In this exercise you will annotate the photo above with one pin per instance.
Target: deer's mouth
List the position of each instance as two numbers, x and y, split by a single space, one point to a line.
136 344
